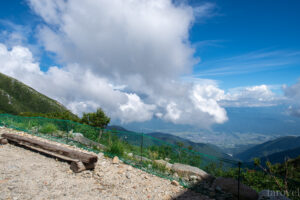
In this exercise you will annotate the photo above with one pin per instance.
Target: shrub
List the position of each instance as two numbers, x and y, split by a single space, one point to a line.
48 128
117 148
159 167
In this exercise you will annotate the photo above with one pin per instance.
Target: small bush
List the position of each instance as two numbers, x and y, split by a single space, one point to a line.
117 148
159 167
48 128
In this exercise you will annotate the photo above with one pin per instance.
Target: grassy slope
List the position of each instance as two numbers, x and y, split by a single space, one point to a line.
16 97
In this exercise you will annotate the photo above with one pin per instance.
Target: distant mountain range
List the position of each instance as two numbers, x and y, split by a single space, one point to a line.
273 150
16 97
282 156
204 148
150 139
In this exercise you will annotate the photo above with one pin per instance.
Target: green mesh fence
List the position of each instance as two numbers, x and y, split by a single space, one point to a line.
136 149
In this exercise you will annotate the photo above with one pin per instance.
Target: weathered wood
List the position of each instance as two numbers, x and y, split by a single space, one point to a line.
77 167
65 158
3 141
51 148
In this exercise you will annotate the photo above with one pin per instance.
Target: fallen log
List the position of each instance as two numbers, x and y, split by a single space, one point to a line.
52 149
78 166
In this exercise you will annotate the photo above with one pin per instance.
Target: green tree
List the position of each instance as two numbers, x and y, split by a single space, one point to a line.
96 119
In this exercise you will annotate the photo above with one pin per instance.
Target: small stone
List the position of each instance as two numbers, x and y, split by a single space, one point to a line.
174 182
11 187
100 155
98 174
193 177
129 168
128 176
116 160
175 175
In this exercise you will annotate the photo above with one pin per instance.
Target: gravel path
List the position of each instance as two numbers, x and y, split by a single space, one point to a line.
28 175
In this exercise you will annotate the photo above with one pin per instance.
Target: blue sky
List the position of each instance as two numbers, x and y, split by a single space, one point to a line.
182 62
243 27
235 28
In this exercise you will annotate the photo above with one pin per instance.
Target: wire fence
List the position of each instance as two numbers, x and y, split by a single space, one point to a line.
137 149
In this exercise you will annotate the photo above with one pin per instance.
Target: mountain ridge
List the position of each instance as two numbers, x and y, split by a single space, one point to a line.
17 97
268 148
205 148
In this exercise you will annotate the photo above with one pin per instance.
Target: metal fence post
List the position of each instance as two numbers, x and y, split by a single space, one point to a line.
239 176
142 143
68 130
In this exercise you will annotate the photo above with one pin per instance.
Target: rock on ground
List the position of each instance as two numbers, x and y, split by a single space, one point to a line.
231 185
186 171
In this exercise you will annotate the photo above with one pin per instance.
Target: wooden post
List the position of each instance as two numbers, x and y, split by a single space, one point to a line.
239 176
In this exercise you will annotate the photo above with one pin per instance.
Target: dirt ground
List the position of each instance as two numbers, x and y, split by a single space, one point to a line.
29 175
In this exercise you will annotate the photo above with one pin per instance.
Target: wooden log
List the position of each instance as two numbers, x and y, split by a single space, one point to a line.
3 141
51 148
78 166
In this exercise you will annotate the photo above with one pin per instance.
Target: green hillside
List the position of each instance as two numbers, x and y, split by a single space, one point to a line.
16 97
200 147
270 147
280 157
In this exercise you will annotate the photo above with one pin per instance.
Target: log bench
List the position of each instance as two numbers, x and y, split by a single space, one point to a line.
79 160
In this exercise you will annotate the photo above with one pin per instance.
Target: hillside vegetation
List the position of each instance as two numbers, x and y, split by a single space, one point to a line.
16 97
270 147
209 149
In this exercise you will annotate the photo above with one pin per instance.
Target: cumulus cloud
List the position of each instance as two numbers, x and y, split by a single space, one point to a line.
127 57
293 94
253 96
147 39
141 46
78 89
82 91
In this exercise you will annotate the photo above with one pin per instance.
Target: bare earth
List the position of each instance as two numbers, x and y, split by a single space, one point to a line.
28 175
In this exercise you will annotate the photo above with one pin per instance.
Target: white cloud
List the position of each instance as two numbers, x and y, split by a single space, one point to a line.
293 94
78 89
126 57
83 91
253 96
135 110
141 46
195 103
120 38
